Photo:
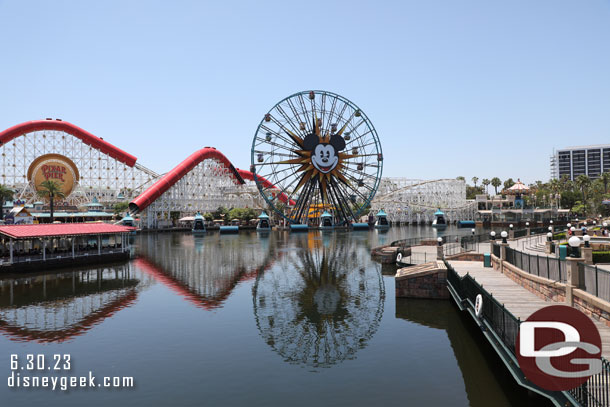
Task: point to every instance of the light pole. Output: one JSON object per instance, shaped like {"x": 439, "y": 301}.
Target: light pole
{"x": 574, "y": 243}
{"x": 504, "y": 235}
{"x": 493, "y": 235}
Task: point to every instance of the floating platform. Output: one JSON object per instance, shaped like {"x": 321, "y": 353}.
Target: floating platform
{"x": 360, "y": 226}
{"x": 229, "y": 229}
{"x": 466, "y": 224}
{"x": 299, "y": 228}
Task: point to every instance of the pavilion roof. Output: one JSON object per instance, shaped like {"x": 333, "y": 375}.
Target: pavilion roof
{"x": 61, "y": 229}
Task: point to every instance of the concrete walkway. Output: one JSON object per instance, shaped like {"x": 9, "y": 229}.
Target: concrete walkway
{"x": 519, "y": 301}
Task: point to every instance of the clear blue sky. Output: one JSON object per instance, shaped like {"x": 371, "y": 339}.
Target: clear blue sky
{"x": 483, "y": 88}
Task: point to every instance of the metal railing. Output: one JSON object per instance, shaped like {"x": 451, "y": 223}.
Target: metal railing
{"x": 597, "y": 281}
{"x": 495, "y": 249}
{"x": 595, "y": 392}
{"x": 418, "y": 258}
{"x": 552, "y": 268}
{"x": 503, "y": 322}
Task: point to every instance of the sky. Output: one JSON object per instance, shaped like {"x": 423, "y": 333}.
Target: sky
{"x": 454, "y": 88}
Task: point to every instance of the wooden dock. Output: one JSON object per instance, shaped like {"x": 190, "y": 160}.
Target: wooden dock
{"x": 519, "y": 301}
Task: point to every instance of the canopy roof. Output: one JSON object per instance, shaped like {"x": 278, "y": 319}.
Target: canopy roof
{"x": 263, "y": 215}
{"x": 61, "y": 229}
{"x": 439, "y": 213}
{"x": 382, "y": 213}
{"x": 518, "y": 188}
{"x": 328, "y": 215}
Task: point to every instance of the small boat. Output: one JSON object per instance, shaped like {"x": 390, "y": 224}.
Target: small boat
{"x": 198, "y": 224}
{"x": 326, "y": 221}
{"x": 382, "y": 220}
{"x": 263, "y": 225}
{"x": 439, "y": 221}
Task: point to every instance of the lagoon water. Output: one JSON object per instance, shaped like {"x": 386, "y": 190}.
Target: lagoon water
{"x": 249, "y": 320}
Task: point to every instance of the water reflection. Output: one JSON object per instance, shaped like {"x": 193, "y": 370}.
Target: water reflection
{"x": 59, "y": 306}
{"x": 485, "y": 377}
{"x": 204, "y": 270}
{"x": 320, "y": 302}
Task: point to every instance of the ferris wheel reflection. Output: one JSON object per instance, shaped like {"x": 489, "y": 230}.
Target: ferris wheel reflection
{"x": 320, "y": 303}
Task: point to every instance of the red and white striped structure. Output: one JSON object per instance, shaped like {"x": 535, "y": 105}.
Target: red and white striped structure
{"x": 106, "y": 172}
{"x": 204, "y": 181}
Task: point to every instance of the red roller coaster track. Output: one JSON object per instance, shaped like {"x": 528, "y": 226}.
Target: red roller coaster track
{"x": 168, "y": 180}
{"x": 59, "y": 125}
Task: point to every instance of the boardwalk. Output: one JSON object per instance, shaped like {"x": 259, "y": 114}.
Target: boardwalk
{"x": 519, "y": 301}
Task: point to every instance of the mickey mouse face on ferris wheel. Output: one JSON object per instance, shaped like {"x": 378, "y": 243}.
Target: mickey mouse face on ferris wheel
{"x": 324, "y": 156}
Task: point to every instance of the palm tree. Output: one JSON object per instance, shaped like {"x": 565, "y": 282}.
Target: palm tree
{"x": 5, "y": 193}
{"x": 508, "y": 183}
{"x": 51, "y": 190}
{"x": 583, "y": 182}
{"x": 485, "y": 183}
{"x": 474, "y": 181}
{"x": 605, "y": 177}
{"x": 460, "y": 178}
{"x": 495, "y": 182}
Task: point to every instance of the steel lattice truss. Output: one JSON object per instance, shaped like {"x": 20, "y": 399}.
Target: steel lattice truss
{"x": 205, "y": 188}
{"x": 101, "y": 176}
{"x": 415, "y": 201}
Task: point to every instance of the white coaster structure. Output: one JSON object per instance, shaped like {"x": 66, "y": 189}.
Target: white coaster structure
{"x": 203, "y": 182}
{"x": 414, "y": 201}
{"x": 107, "y": 173}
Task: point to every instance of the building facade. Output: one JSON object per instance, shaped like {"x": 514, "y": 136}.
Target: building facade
{"x": 574, "y": 161}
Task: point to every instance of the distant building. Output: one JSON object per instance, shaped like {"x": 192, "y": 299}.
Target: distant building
{"x": 574, "y": 161}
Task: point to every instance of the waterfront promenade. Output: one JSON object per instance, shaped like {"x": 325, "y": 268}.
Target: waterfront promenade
{"x": 519, "y": 301}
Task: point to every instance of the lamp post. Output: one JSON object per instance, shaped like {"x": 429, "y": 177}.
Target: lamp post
{"x": 549, "y": 237}
{"x": 504, "y": 235}
{"x": 587, "y": 251}
{"x": 574, "y": 243}
{"x": 511, "y": 232}
{"x": 440, "y": 253}
{"x": 472, "y": 230}
{"x": 493, "y": 236}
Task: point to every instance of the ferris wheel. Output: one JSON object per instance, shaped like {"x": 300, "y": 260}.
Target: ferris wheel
{"x": 316, "y": 151}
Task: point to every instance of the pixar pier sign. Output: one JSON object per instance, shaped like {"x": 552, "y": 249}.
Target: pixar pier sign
{"x": 56, "y": 168}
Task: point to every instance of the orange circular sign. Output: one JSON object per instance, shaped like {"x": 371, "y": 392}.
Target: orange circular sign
{"x": 56, "y": 168}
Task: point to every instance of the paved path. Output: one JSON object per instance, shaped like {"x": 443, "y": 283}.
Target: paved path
{"x": 515, "y": 298}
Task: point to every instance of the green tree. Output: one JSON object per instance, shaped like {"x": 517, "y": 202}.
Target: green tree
{"x": 5, "y": 194}
{"x": 208, "y": 216}
{"x": 496, "y": 182}
{"x": 460, "y": 178}
{"x": 51, "y": 190}
{"x": 583, "y": 183}
{"x": 475, "y": 180}
{"x": 605, "y": 177}
{"x": 508, "y": 183}
{"x": 120, "y": 207}
{"x": 486, "y": 183}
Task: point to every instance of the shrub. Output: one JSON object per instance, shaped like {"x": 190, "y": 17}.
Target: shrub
{"x": 601, "y": 257}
